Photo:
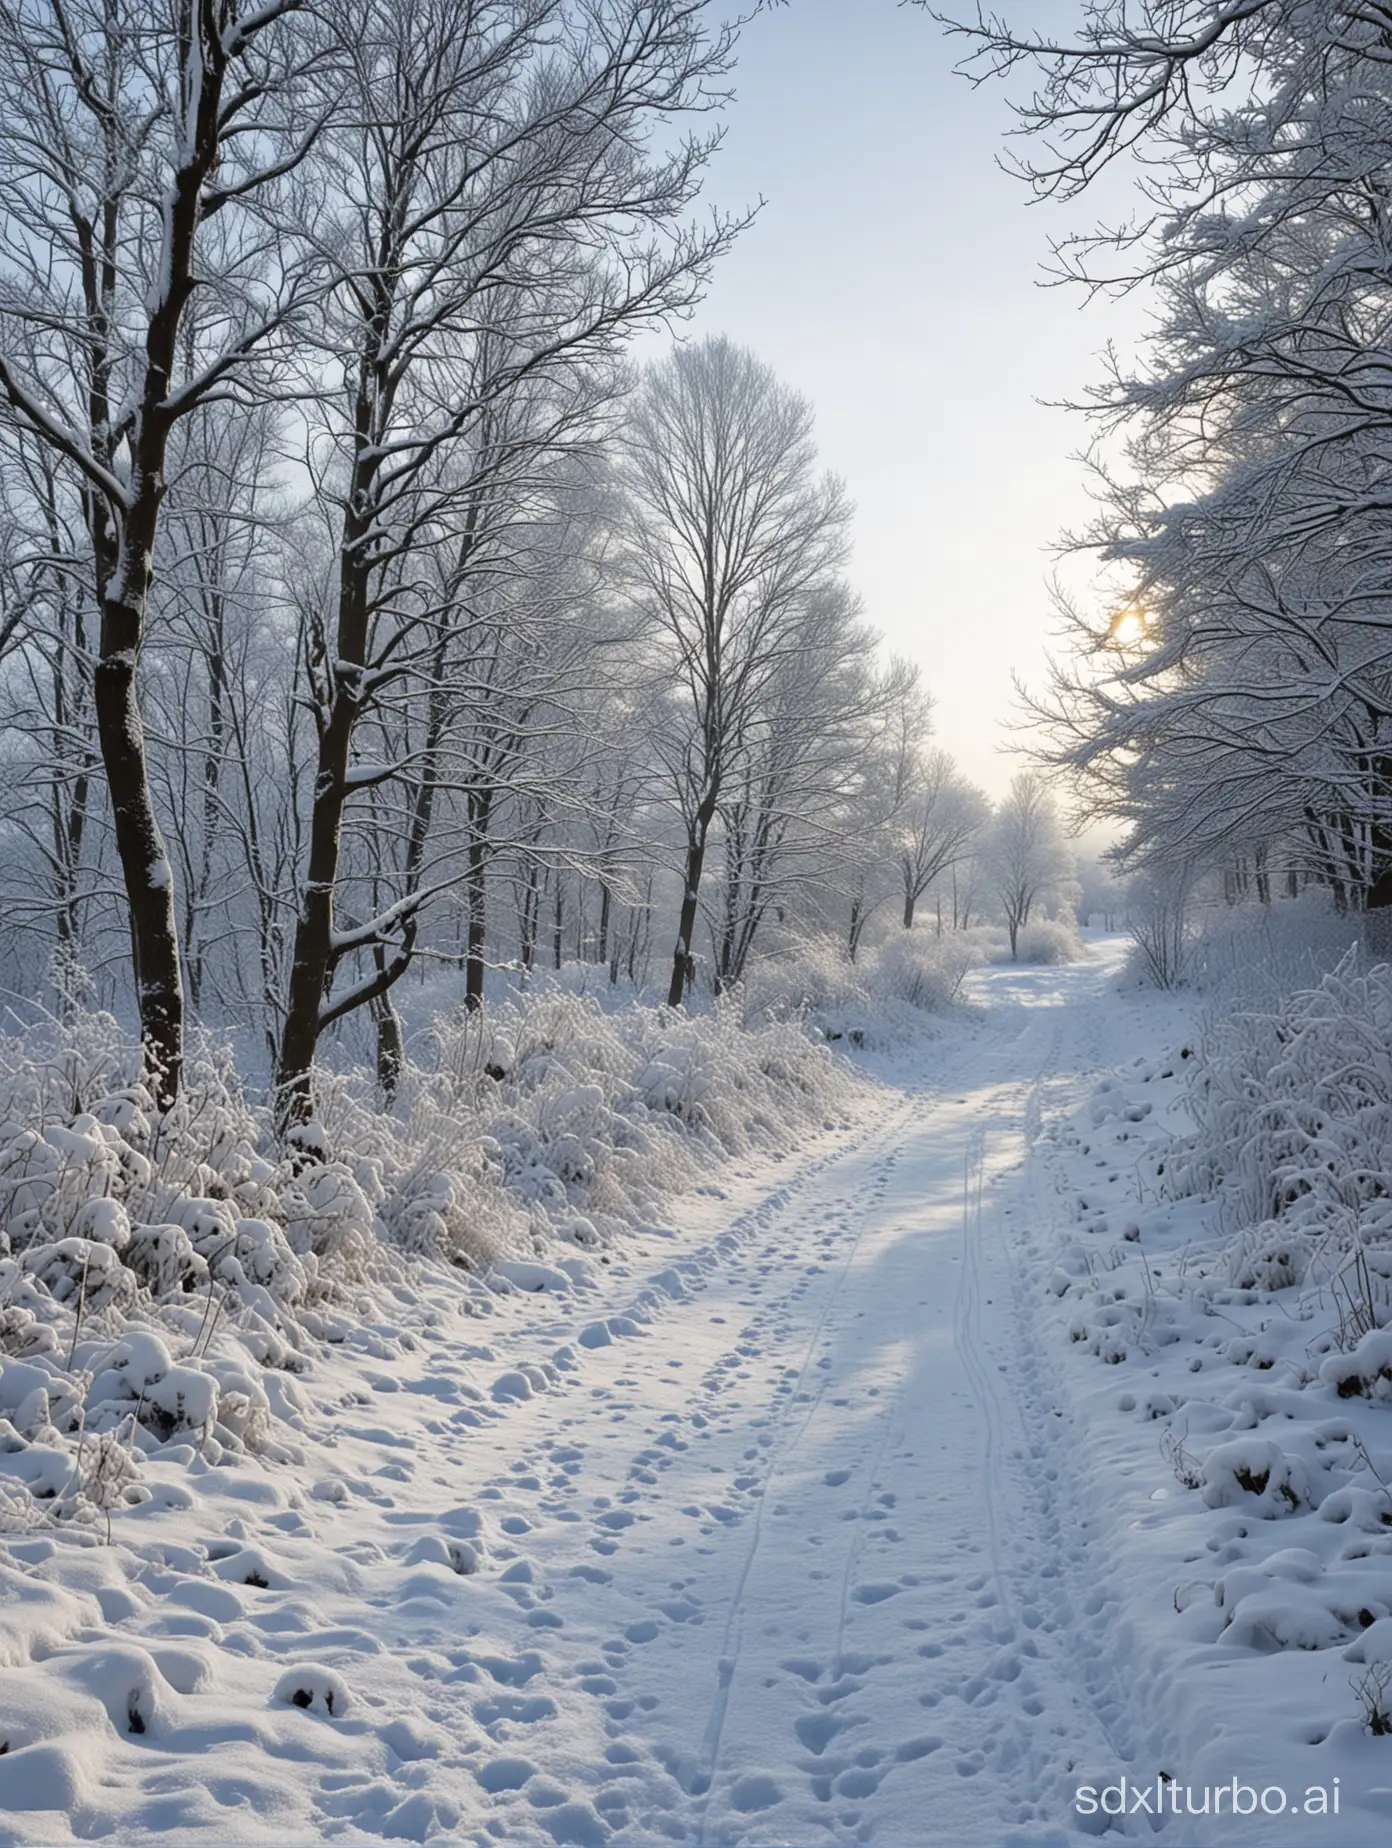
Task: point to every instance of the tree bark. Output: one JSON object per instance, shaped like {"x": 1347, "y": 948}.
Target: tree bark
{"x": 683, "y": 960}
{"x": 606, "y": 903}
{"x": 391, "y": 1046}
{"x": 856, "y": 926}
{"x": 480, "y": 809}
{"x": 311, "y": 967}
{"x": 140, "y": 846}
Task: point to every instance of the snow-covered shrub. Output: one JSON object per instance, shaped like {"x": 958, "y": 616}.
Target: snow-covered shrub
{"x": 463, "y": 1218}
{"x": 164, "y": 1277}
{"x": 1255, "y": 1474}
{"x": 925, "y": 971}
{"x": 563, "y": 1109}
{"x": 1049, "y": 941}
{"x": 1365, "y": 1373}
{"x": 1292, "y": 1106}
{"x": 864, "y": 1002}
{"x": 164, "y": 1260}
{"x": 1268, "y": 1257}
{"x": 1161, "y": 922}
{"x": 1254, "y": 955}
{"x": 326, "y": 1212}
{"x": 243, "y": 1409}
{"x": 81, "y": 1271}
{"x": 813, "y": 980}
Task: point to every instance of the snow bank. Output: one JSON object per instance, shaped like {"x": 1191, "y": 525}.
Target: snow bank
{"x": 164, "y": 1280}
{"x": 1226, "y": 1258}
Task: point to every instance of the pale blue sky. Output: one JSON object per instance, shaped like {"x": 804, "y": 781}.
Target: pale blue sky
{"x": 892, "y": 278}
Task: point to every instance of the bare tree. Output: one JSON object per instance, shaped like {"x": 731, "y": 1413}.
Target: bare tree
{"x": 783, "y": 811}
{"x": 734, "y": 537}
{"x": 941, "y": 815}
{"x": 137, "y": 143}
{"x": 1027, "y": 853}
{"x": 503, "y": 224}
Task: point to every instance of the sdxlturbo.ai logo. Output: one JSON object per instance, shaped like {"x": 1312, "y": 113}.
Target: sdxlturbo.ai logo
{"x": 1164, "y": 1797}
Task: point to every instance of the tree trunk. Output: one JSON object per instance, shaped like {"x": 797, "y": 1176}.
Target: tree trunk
{"x": 683, "y": 961}
{"x": 529, "y": 916}
{"x": 478, "y": 920}
{"x": 391, "y": 1047}
{"x": 313, "y": 958}
{"x": 638, "y": 943}
{"x": 605, "y": 906}
{"x": 909, "y": 902}
{"x": 311, "y": 968}
{"x": 145, "y": 865}
{"x": 558, "y": 922}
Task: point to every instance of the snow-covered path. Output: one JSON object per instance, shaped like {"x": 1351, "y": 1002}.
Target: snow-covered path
{"x": 793, "y": 1551}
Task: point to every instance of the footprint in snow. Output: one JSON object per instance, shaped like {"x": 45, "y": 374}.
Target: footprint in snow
{"x": 522, "y": 1711}
{"x": 500, "y": 1774}
{"x": 755, "y": 1791}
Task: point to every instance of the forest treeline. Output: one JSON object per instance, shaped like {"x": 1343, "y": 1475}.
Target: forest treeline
{"x": 1229, "y": 700}
{"x": 365, "y": 603}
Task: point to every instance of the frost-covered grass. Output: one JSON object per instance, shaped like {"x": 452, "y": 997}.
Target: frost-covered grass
{"x": 1292, "y": 1111}
{"x": 1229, "y": 1263}
{"x": 1255, "y": 954}
{"x": 162, "y": 1280}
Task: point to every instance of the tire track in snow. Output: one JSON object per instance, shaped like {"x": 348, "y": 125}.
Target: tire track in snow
{"x": 981, "y": 1370}
{"x": 779, "y": 1453}
{"x": 1078, "y": 1593}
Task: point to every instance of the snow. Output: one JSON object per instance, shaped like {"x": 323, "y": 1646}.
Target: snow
{"x": 893, "y": 1487}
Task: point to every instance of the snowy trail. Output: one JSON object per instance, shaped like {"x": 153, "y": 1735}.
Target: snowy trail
{"x": 799, "y": 1556}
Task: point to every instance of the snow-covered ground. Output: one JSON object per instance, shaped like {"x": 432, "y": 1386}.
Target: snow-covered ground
{"x": 801, "y": 1520}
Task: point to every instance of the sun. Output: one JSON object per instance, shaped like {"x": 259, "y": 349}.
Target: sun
{"x": 1128, "y": 626}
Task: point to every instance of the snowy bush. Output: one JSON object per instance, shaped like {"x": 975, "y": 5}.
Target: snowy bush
{"x": 161, "y": 1277}
{"x": 1366, "y": 1372}
{"x": 864, "y": 1002}
{"x": 1292, "y": 1106}
{"x": 813, "y": 980}
{"x": 1160, "y": 920}
{"x": 1257, "y": 955}
{"x": 1255, "y": 1474}
{"x": 1049, "y": 941}
{"x": 925, "y": 972}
